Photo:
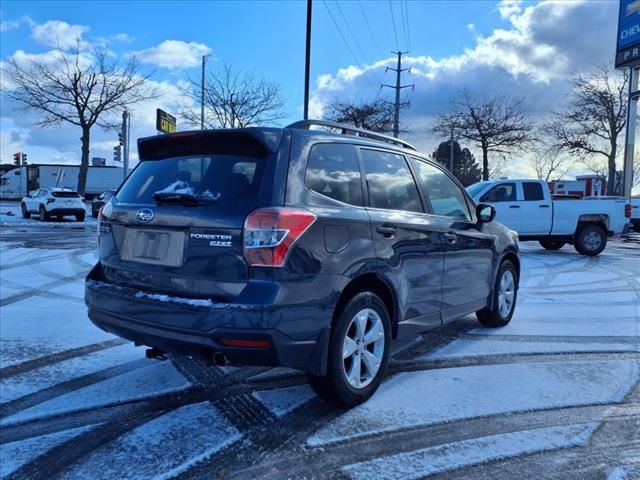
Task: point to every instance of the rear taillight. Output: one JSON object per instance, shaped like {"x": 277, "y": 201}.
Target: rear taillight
{"x": 269, "y": 234}
{"x": 627, "y": 210}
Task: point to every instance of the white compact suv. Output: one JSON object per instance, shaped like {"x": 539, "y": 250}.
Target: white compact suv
{"x": 53, "y": 202}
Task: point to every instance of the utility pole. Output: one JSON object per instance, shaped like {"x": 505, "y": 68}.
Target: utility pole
{"x": 451, "y": 152}
{"x": 204, "y": 64}
{"x": 398, "y": 87}
{"x": 307, "y": 61}
{"x": 126, "y": 120}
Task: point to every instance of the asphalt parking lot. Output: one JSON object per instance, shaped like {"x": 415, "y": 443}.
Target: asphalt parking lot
{"x": 555, "y": 394}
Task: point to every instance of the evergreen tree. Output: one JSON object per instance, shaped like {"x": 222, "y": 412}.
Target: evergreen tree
{"x": 465, "y": 168}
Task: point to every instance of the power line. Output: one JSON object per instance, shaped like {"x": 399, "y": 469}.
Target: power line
{"x": 393, "y": 21}
{"x": 404, "y": 26}
{"x": 366, "y": 20}
{"x": 406, "y": 16}
{"x": 345, "y": 41}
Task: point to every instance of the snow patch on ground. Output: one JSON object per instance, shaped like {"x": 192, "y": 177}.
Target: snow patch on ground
{"x": 17, "y": 386}
{"x": 444, "y": 395}
{"x": 625, "y": 472}
{"x": 16, "y": 454}
{"x": 147, "y": 382}
{"x": 444, "y": 458}
{"x": 565, "y": 328}
{"x": 161, "y": 448}
{"x": 284, "y": 400}
{"x": 485, "y": 347}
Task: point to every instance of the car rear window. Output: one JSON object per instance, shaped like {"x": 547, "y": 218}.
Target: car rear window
{"x": 66, "y": 194}
{"x": 221, "y": 177}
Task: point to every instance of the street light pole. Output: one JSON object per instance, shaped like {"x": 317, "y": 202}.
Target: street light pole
{"x": 451, "y": 152}
{"x": 204, "y": 64}
{"x": 307, "y": 61}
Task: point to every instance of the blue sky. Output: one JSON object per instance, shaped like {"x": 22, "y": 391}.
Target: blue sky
{"x": 509, "y": 47}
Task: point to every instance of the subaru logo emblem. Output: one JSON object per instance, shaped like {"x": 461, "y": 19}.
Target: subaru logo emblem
{"x": 145, "y": 215}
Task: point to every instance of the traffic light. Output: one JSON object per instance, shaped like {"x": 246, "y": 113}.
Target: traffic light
{"x": 17, "y": 159}
{"x": 24, "y": 159}
{"x": 120, "y": 138}
{"x": 117, "y": 153}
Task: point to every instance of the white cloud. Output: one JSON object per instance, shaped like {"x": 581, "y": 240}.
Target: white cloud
{"x": 508, "y": 8}
{"x": 122, "y": 37}
{"x": 56, "y": 33}
{"x": 7, "y": 25}
{"x": 174, "y": 54}
{"x": 471, "y": 27}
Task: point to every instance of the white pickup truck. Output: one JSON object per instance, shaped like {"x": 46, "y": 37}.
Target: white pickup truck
{"x": 526, "y": 207}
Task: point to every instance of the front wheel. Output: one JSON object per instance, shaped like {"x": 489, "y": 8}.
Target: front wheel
{"x": 358, "y": 352}
{"x": 551, "y": 244}
{"x": 505, "y": 294}
{"x": 591, "y": 240}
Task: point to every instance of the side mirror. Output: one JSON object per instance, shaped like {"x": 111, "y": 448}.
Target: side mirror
{"x": 485, "y": 213}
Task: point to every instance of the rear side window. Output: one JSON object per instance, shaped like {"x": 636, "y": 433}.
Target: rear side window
{"x": 503, "y": 192}
{"x": 221, "y": 177}
{"x": 333, "y": 171}
{"x": 447, "y": 198}
{"x": 532, "y": 191}
{"x": 390, "y": 183}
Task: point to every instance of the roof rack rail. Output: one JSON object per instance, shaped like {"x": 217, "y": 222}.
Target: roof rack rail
{"x": 347, "y": 129}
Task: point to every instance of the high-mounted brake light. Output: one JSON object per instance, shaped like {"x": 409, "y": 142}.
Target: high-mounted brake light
{"x": 627, "y": 210}
{"x": 269, "y": 234}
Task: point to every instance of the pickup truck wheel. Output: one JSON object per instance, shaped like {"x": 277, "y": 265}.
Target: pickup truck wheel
{"x": 80, "y": 217}
{"x": 552, "y": 244}
{"x": 25, "y": 212}
{"x": 591, "y": 240}
{"x": 358, "y": 352}
{"x": 505, "y": 292}
{"x": 44, "y": 217}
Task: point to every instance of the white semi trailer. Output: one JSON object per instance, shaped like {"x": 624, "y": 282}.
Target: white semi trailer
{"x": 19, "y": 181}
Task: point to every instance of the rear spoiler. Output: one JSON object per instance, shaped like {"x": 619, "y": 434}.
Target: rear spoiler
{"x": 249, "y": 142}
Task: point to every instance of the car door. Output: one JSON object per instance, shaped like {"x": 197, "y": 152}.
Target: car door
{"x": 31, "y": 201}
{"x": 470, "y": 248}
{"x": 535, "y": 211}
{"x": 504, "y": 198}
{"x": 406, "y": 240}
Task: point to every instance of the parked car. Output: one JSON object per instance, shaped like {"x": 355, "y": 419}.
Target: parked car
{"x": 526, "y": 206}
{"x": 295, "y": 247}
{"x": 48, "y": 203}
{"x": 99, "y": 201}
{"x": 635, "y": 208}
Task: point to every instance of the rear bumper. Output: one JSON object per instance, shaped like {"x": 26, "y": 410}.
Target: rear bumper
{"x": 66, "y": 211}
{"x": 298, "y": 335}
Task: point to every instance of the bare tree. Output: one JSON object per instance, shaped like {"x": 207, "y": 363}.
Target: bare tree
{"x": 81, "y": 88}
{"x": 591, "y": 124}
{"x": 551, "y": 163}
{"x": 376, "y": 116}
{"x": 234, "y": 99}
{"x": 495, "y": 124}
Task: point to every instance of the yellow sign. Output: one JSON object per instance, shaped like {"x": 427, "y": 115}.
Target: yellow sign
{"x": 165, "y": 122}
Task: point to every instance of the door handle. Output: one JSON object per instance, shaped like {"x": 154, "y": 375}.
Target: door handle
{"x": 514, "y": 206}
{"x": 387, "y": 230}
{"x": 451, "y": 238}
{"x": 543, "y": 206}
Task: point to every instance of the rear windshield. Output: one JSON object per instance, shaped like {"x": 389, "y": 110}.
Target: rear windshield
{"x": 66, "y": 194}
{"x": 220, "y": 177}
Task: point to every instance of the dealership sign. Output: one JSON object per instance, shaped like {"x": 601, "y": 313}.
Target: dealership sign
{"x": 628, "y": 45}
{"x": 165, "y": 122}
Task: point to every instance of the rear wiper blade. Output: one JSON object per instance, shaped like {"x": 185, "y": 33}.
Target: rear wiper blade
{"x": 183, "y": 198}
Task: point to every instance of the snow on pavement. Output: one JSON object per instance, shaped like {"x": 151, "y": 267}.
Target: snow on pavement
{"x": 161, "y": 448}
{"x": 283, "y": 401}
{"x": 14, "y": 455}
{"x": 143, "y": 383}
{"x": 30, "y": 382}
{"x": 444, "y": 395}
{"x": 485, "y": 347}
{"x": 444, "y": 458}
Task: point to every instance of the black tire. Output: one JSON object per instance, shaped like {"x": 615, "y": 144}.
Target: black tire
{"x": 494, "y": 317}
{"x": 590, "y": 240}
{"x": 94, "y": 212}
{"x": 80, "y": 217}
{"x": 552, "y": 244}
{"x": 44, "y": 217}
{"x": 335, "y": 385}
{"x": 25, "y": 212}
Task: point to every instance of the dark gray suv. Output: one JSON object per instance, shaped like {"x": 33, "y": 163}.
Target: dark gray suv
{"x": 296, "y": 247}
